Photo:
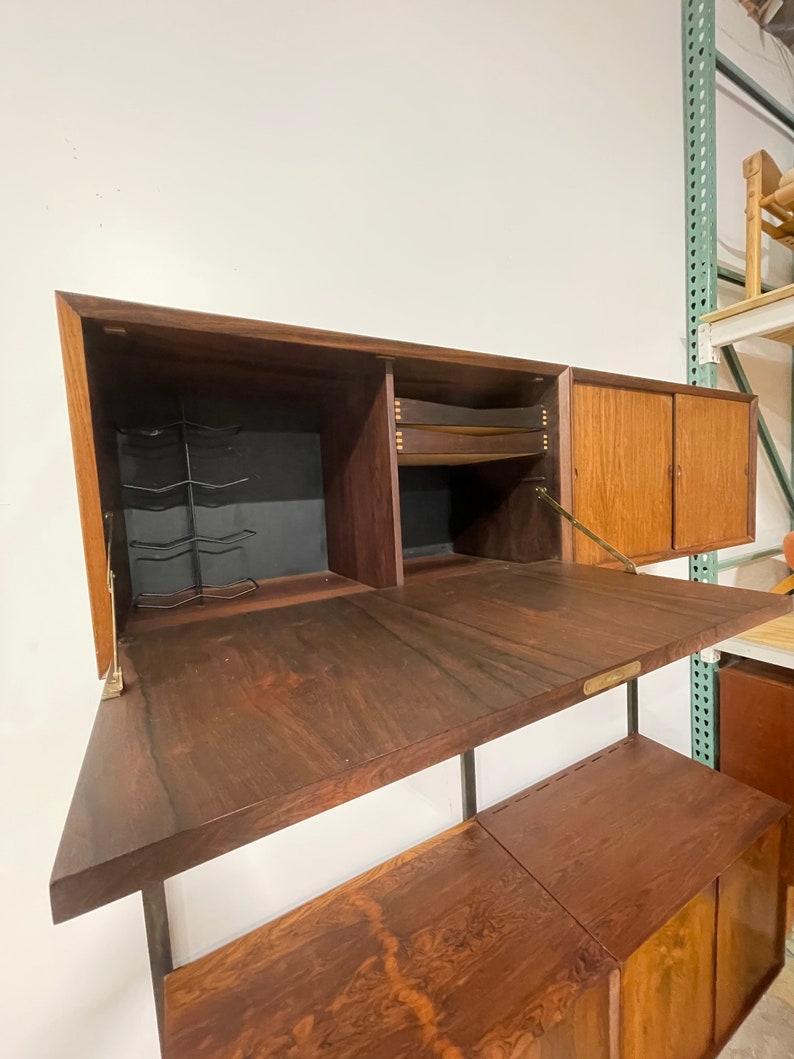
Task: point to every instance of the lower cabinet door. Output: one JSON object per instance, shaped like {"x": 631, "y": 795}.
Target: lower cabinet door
{"x": 749, "y": 930}
{"x": 667, "y": 989}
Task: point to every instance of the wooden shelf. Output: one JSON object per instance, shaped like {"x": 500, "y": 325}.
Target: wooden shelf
{"x": 424, "y": 447}
{"x": 447, "y": 564}
{"x": 277, "y": 592}
{"x": 636, "y": 826}
{"x": 769, "y": 316}
{"x": 431, "y": 415}
{"x": 232, "y": 728}
{"x": 448, "y": 949}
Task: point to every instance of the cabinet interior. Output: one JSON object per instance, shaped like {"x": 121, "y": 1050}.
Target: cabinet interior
{"x": 236, "y": 472}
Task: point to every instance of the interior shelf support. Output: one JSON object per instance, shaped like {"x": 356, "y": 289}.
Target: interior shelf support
{"x": 158, "y": 939}
{"x": 633, "y": 706}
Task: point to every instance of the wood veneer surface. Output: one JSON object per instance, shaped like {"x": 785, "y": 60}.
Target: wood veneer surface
{"x": 667, "y": 987}
{"x": 629, "y": 837}
{"x": 757, "y": 732}
{"x": 712, "y": 452}
{"x": 450, "y": 949}
{"x": 623, "y": 459}
{"x": 750, "y": 938}
{"x": 233, "y": 728}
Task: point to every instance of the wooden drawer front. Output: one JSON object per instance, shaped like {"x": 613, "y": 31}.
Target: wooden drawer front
{"x": 437, "y": 416}
{"x": 420, "y": 445}
{"x": 749, "y": 930}
{"x": 712, "y": 453}
{"x": 667, "y": 993}
{"x": 623, "y": 458}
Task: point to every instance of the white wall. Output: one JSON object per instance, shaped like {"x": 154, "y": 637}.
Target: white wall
{"x": 485, "y": 173}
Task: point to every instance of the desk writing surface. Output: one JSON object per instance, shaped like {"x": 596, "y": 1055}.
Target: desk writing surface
{"x": 233, "y": 728}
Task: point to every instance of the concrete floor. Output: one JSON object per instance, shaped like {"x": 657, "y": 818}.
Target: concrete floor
{"x": 768, "y": 1033}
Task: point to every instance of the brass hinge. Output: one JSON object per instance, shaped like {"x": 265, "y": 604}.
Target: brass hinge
{"x": 543, "y": 494}
{"x": 114, "y": 681}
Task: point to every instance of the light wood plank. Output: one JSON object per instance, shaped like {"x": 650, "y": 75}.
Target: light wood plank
{"x": 781, "y": 294}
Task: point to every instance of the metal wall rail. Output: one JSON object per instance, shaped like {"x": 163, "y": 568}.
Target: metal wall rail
{"x": 752, "y": 557}
{"x": 767, "y": 441}
{"x": 752, "y": 89}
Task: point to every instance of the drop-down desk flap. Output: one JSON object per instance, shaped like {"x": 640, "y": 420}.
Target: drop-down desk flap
{"x": 234, "y": 727}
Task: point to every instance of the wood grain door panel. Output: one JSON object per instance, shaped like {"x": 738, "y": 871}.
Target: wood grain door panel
{"x": 623, "y": 457}
{"x": 749, "y": 930}
{"x": 712, "y": 447}
{"x": 667, "y": 1009}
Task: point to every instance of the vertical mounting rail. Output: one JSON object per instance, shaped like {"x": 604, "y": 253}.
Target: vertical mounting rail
{"x": 700, "y": 102}
{"x": 633, "y": 706}
{"x": 158, "y": 938}
{"x": 468, "y": 784}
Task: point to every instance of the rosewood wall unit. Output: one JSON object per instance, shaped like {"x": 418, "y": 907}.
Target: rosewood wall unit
{"x": 331, "y": 569}
{"x": 678, "y": 474}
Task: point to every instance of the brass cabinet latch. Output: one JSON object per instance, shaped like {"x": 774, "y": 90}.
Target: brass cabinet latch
{"x": 543, "y": 495}
{"x": 114, "y": 681}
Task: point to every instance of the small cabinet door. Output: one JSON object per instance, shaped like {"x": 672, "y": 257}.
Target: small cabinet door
{"x": 713, "y": 456}
{"x": 623, "y": 465}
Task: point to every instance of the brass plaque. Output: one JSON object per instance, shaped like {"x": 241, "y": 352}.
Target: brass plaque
{"x": 612, "y": 678}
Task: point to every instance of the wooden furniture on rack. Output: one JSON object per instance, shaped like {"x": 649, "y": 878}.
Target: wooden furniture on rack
{"x": 414, "y": 598}
{"x": 675, "y": 870}
{"x": 768, "y": 191}
{"x": 660, "y": 470}
{"x": 757, "y": 730}
{"x": 769, "y": 315}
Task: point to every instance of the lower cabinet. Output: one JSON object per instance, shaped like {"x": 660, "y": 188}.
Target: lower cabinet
{"x": 628, "y": 906}
{"x": 676, "y": 871}
{"x": 451, "y": 949}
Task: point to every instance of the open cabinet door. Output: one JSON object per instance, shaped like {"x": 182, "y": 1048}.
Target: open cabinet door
{"x": 232, "y": 728}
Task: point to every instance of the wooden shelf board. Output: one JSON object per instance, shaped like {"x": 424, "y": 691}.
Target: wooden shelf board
{"x": 770, "y": 315}
{"x": 232, "y": 728}
{"x": 770, "y": 298}
{"x": 772, "y": 642}
{"x": 447, "y": 564}
{"x": 446, "y": 949}
{"x": 681, "y": 825}
{"x": 276, "y": 592}
{"x": 457, "y": 459}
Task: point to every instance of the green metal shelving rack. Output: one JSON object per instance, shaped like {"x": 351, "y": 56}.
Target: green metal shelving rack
{"x": 702, "y": 62}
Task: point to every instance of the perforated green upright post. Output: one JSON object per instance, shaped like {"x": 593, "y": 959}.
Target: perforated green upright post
{"x": 700, "y": 104}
